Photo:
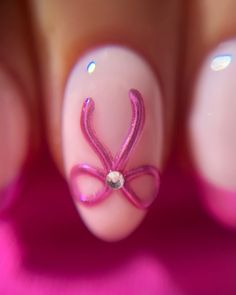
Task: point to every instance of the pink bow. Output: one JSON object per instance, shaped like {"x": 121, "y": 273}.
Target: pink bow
{"x": 114, "y": 175}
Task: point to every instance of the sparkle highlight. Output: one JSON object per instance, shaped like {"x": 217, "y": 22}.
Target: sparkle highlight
{"x": 91, "y": 67}
{"x": 221, "y": 62}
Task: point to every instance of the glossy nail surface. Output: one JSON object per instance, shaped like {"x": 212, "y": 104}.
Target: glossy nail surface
{"x": 112, "y": 130}
{"x": 212, "y": 118}
{"x": 212, "y": 130}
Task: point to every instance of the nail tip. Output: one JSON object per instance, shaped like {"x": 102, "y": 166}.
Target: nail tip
{"x": 220, "y": 202}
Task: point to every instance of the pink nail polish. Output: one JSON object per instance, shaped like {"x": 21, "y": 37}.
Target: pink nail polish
{"x": 112, "y": 129}
{"x": 13, "y": 137}
{"x": 212, "y": 129}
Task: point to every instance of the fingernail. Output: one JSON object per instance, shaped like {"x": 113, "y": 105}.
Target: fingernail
{"x": 112, "y": 130}
{"x": 13, "y": 138}
{"x": 212, "y": 128}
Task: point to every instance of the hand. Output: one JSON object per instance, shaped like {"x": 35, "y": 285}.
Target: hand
{"x": 173, "y": 53}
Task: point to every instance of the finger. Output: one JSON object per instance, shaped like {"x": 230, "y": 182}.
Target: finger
{"x": 108, "y": 74}
{"x": 211, "y": 122}
{"x": 17, "y": 104}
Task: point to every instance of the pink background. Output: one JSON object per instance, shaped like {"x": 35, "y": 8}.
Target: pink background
{"x": 179, "y": 249}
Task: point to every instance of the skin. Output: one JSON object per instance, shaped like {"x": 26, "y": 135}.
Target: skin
{"x": 46, "y": 46}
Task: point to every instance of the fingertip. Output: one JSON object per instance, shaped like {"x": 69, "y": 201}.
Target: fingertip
{"x": 211, "y": 131}
{"x": 96, "y": 144}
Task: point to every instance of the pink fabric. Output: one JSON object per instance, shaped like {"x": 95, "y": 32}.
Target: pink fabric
{"x": 45, "y": 249}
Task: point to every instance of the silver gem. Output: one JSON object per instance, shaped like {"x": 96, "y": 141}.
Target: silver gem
{"x": 115, "y": 179}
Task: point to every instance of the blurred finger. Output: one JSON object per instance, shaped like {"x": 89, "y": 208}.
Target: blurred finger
{"x": 211, "y": 123}
{"x": 17, "y": 101}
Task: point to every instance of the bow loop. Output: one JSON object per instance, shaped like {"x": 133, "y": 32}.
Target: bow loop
{"x": 145, "y": 170}
{"x": 84, "y": 169}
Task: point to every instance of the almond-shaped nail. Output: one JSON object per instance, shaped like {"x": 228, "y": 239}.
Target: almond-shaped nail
{"x": 212, "y": 129}
{"x": 112, "y": 130}
{"x": 14, "y": 134}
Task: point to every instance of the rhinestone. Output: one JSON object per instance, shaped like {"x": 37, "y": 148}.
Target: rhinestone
{"x": 115, "y": 179}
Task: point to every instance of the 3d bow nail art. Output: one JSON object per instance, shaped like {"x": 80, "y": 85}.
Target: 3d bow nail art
{"x": 114, "y": 174}
{"x": 113, "y": 127}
